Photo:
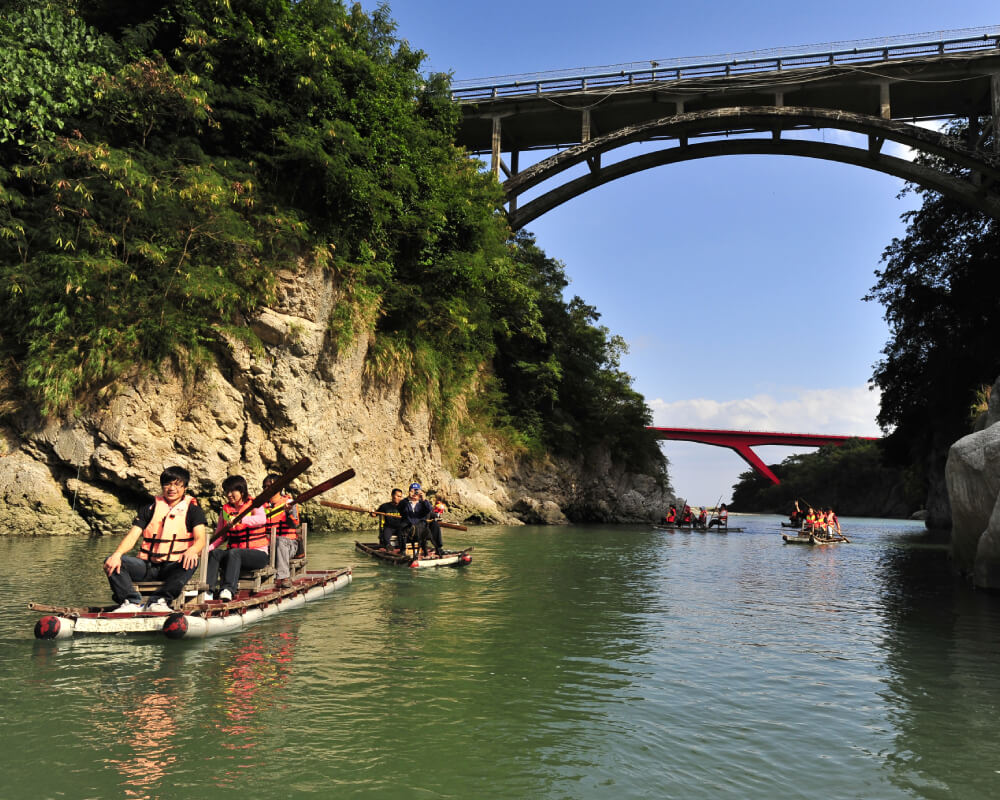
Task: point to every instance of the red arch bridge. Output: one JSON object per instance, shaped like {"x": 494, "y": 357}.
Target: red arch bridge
{"x": 742, "y": 441}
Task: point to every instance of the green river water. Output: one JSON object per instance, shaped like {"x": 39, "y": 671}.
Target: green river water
{"x": 575, "y": 662}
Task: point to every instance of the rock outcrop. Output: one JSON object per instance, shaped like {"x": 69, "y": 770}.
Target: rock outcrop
{"x": 256, "y": 410}
{"x": 973, "y": 477}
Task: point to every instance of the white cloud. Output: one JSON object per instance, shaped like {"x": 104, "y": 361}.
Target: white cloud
{"x": 699, "y": 473}
{"x": 847, "y": 411}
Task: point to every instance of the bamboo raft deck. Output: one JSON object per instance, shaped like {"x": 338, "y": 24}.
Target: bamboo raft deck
{"x": 198, "y": 619}
{"x": 451, "y": 558}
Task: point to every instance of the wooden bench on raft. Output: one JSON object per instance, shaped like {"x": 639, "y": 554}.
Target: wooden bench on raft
{"x": 254, "y": 580}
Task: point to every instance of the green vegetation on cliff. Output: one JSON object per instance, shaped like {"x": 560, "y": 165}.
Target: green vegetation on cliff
{"x": 161, "y": 161}
{"x": 850, "y": 478}
{"x": 940, "y": 286}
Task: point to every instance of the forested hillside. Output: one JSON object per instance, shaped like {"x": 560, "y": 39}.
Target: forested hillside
{"x": 850, "y": 478}
{"x": 940, "y": 286}
{"x": 161, "y": 161}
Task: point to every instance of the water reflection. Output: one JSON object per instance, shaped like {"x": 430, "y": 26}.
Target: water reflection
{"x": 941, "y": 650}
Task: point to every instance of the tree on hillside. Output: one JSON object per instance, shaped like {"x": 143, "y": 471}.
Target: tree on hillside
{"x": 161, "y": 161}
{"x": 940, "y": 287}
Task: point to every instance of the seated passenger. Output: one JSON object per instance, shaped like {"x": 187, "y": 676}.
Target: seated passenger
{"x": 172, "y": 529}
{"x": 247, "y": 540}
{"x": 283, "y": 517}
{"x": 722, "y": 517}
{"x": 391, "y": 526}
{"x": 415, "y": 511}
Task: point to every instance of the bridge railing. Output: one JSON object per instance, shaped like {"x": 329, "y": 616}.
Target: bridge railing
{"x": 685, "y": 69}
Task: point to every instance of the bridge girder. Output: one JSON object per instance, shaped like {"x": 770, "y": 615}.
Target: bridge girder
{"x": 980, "y": 191}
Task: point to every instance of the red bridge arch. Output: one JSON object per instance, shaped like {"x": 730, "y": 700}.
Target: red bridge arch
{"x": 742, "y": 441}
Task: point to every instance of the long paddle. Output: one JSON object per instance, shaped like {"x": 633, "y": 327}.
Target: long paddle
{"x": 359, "y": 509}
{"x": 263, "y": 497}
{"x": 325, "y": 486}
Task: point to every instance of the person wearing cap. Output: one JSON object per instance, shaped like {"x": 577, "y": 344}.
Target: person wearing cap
{"x": 415, "y": 511}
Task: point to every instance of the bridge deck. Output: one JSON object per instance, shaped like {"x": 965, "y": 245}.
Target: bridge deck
{"x": 913, "y": 81}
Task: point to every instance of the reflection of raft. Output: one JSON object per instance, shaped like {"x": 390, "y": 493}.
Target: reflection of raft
{"x": 451, "y": 558}
{"x": 809, "y": 538}
{"x": 194, "y": 620}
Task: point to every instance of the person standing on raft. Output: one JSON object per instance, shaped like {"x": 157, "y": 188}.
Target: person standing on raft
{"x": 247, "y": 540}
{"x": 172, "y": 529}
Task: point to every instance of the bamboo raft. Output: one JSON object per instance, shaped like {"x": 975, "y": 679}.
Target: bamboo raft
{"x": 698, "y": 529}
{"x": 813, "y": 539}
{"x": 196, "y": 620}
{"x": 451, "y": 558}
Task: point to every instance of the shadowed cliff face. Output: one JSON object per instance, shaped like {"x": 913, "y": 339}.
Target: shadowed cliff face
{"x": 973, "y": 477}
{"x": 258, "y": 411}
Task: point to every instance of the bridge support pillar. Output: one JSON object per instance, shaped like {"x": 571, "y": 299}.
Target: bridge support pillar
{"x": 885, "y": 105}
{"x": 495, "y": 148}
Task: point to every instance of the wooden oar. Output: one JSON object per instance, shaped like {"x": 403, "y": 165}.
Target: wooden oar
{"x": 360, "y": 510}
{"x": 325, "y": 486}
{"x": 263, "y": 497}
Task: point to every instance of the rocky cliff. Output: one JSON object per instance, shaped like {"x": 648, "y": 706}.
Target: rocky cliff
{"x": 973, "y": 478}
{"x": 257, "y": 410}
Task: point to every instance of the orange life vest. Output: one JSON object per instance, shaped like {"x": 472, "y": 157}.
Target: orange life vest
{"x": 284, "y": 522}
{"x": 243, "y": 535}
{"x": 166, "y": 537}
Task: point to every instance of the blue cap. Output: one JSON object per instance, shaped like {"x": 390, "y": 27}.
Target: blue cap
{"x": 415, "y": 486}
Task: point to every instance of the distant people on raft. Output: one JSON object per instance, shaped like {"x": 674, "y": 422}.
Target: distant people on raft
{"x": 283, "y": 519}
{"x": 721, "y": 518}
{"x": 703, "y": 517}
{"x": 832, "y": 523}
{"x": 171, "y": 535}
{"x": 686, "y": 516}
{"x": 670, "y": 518}
{"x": 415, "y": 510}
{"x": 391, "y": 526}
{"x": 247, "y": 540}
{"x": 796, "y": 518}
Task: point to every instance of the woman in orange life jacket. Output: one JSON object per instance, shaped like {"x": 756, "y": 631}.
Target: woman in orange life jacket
{"x": 172, "y": 529}
{"x": 671, "y": 516}
{"x": 283, "y": 518}
{"x": 247, "y": 540}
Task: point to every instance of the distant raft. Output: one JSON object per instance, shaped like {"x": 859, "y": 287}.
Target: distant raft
{"x": 811, "y": 538}
{"x": 192, "y": 620}
{"x": 451, "y": 558}
{"x": 698, "y": 528}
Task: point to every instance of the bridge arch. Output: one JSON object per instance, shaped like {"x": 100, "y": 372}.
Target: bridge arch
{"x": 978, "y": 191}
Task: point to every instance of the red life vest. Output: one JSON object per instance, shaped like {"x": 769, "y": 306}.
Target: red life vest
{"x": 243, "y": 535}
{"x": 166, "y": 537}
{"x": 285, "y": 522}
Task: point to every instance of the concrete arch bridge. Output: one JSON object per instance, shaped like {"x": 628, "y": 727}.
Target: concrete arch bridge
{"x": 879, "y": 91}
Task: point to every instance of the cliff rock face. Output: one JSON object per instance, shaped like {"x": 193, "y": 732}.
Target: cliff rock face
{"x": 973, "y": 477}
{"x": 258, "y": 410}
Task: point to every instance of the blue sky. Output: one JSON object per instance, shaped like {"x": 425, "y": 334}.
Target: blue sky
{"x": 737, "y": 282}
